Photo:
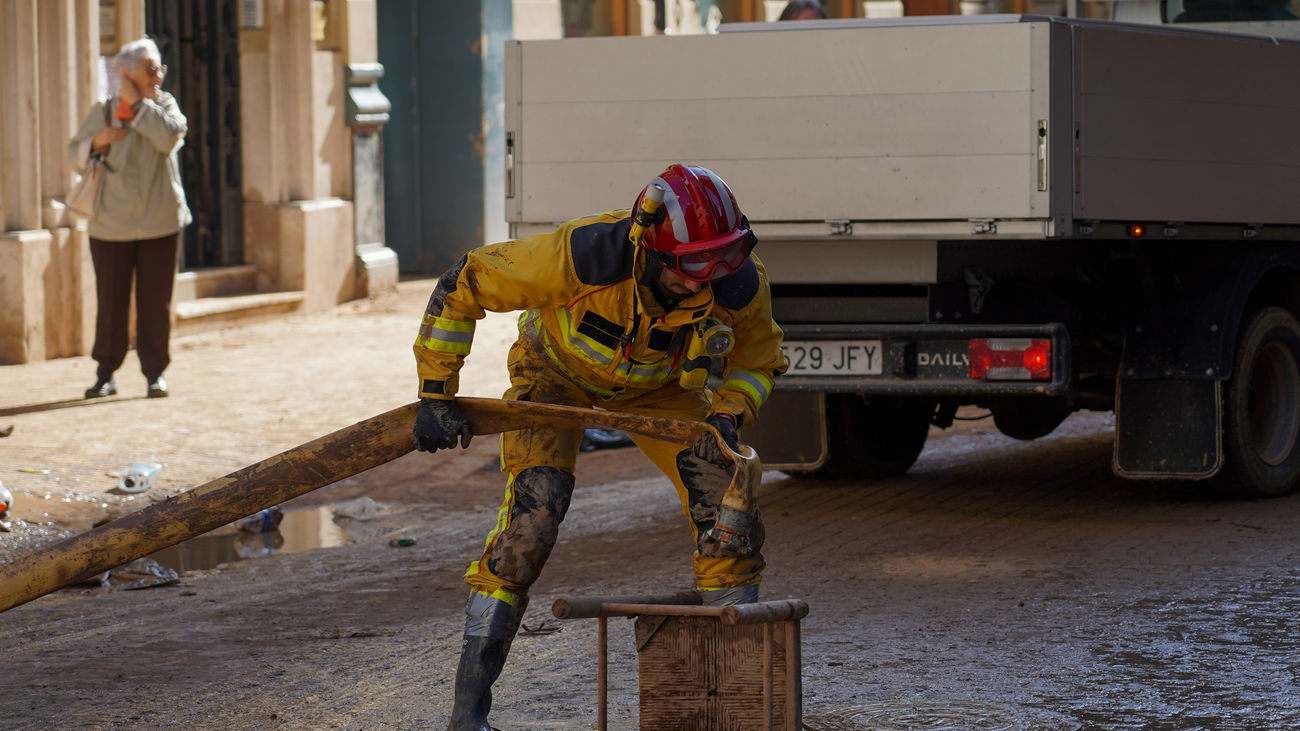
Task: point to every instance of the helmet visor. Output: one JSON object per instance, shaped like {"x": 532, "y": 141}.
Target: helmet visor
{"x": 705, "y": 266}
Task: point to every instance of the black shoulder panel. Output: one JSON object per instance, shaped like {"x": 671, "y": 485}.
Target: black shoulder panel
{"x": 602, "y": 253}
{"x": 734, "y": 291}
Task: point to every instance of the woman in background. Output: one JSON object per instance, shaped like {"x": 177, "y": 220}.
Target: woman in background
{"x": 135, "y": 231}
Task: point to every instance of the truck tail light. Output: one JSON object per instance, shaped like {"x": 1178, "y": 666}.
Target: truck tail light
{"x": 1010, "y": 359}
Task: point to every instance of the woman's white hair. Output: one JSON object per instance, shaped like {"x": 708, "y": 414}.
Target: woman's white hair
{"x": 130, "y": 55}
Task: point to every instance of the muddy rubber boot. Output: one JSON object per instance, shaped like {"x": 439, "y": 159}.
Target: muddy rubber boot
{"x": 481, "y": 660}
{"x": 490, "y": 625}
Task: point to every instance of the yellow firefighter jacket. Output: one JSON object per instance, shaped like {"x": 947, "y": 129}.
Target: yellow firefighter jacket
{"x": 588, "y": 317}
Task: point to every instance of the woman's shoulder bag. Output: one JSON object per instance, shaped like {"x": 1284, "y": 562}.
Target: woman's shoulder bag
{"x": 83, "y": 199}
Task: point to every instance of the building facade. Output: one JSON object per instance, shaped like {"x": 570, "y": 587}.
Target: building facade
{"x": 282, "y": 165}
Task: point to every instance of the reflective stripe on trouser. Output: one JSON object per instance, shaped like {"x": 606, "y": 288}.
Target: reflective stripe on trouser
{"x": 730, "y": 596}
{"x": 529, "y": 518}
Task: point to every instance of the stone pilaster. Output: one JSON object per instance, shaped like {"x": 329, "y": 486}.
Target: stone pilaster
{"x": 366, "y": 110}
{"x": 20, "y": 124}
{"x": 48, "y": 73}
{"x": 59, "y": 112}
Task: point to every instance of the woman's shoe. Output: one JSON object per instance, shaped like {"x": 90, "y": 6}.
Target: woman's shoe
{"x": 158, "y": 388}
{"x": 103, "y": 387}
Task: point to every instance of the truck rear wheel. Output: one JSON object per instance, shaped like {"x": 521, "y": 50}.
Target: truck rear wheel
{"x": 873, "y": 438}
{"x": 1261, "y": 431}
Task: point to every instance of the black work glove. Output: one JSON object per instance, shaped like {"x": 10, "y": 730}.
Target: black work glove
{"x": 438, "y": 424}
{"x": 726, "y": 426}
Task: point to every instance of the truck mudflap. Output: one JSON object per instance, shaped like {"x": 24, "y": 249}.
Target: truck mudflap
{"x": 928, "y": 359}
{"x": 1169, "y": 429}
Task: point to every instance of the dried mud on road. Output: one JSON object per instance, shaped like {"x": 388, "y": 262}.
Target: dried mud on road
{"x": 999, "y": 585}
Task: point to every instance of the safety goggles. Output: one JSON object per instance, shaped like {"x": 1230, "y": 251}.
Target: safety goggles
{"x": 707, "y": 260}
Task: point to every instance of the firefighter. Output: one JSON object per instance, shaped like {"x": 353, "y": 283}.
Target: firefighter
{"x": 612, "y": 303}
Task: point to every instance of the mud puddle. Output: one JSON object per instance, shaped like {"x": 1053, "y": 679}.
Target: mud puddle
{"x": 299, "y": 530}
{"x": 42, "y": 517}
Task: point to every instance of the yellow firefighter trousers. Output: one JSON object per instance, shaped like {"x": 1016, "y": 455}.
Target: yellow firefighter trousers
{"x": 532, "y": 379}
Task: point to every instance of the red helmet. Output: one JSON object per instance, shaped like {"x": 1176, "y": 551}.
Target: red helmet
{"x": 698, "y": 230}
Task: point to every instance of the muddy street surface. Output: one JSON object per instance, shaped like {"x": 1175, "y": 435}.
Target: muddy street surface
{"x": 999, "y": 585}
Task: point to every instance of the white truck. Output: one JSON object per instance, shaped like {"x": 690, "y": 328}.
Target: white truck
{"x": 1034, "y": 215}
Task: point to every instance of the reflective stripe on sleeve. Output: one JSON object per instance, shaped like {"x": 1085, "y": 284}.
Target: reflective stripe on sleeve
{"x": 442, "y": 335}
{"x": 756, "y": 385}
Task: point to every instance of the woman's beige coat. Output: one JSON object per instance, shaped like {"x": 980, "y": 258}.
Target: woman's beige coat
{"x": 141, "y": 196}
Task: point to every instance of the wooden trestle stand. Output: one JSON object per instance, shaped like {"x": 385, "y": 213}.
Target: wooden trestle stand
{"x": 703, "y": 667}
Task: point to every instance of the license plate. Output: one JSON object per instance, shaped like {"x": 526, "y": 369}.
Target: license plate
{"x": 833, "y": 357}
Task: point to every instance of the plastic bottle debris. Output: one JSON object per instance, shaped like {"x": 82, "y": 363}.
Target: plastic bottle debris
{"x": 139, "y": 477}
{"x": 363, "y": 508}
{"x": 263, "y": 521}
{"x": 141, "y": 573}
{"x": 260, "y": 544}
